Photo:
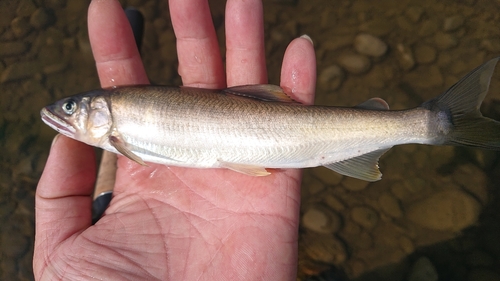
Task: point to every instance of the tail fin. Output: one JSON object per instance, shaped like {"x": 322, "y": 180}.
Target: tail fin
{"x": 461, "y": 104}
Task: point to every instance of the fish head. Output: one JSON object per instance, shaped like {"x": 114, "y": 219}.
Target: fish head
{"x": 85, "y": 117}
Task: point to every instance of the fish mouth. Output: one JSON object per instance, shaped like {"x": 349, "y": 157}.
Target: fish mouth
{"x": 57, "y": 123}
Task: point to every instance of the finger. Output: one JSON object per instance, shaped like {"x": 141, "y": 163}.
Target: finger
{"x": 245, "y": 54}
{"x": 298, "y": 71}
{"x": 200, "y": 62}
{"x": 117, "y": 59}
{"x": 63, "y": 201}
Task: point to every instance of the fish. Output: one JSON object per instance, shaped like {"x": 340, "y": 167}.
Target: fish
{"x": 253, "y": 128}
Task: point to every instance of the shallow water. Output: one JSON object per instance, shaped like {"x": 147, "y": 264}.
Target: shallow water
{"x": 436, "y": 209}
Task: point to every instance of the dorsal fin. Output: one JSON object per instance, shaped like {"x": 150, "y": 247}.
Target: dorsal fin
{"x": 374, "y": 104}
{"x": 264, "y": 92}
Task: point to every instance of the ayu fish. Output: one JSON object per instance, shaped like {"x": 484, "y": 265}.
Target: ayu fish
{"x": 253, "y": 127}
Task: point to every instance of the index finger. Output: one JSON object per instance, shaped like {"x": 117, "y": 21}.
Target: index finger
{"x": 117, "y": 59}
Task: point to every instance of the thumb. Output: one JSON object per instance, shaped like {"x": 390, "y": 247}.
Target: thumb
{"x": 63, "y": 196}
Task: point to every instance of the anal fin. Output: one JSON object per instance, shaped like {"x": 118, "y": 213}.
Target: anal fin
{"x": 250, "y": 170}
{"x": 121, "y": 146}
{"x": 363, "y": 167}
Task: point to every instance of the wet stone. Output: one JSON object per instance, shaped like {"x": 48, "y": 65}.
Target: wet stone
{"x": 377, "y": 27}
{"x": 353, "y": 184}
{"x": 445, "y": 41}
{"x": 405, "y": 57}
{"x": 478, "y": 258}
{"x": 14, "y": 246}
{"x": 414, "y": 13}
{"x": 472, "y": 179}
{"x": 425, "y": 77}
{"x": 427, "y": 28}
{"x": 453, "y": 23}
{"x": 491, "y": 45}
{"x": 369, "y": 45}
{"x": 8, "y": 49}
{"x": 20, "y": 27}
{"x": 451, "y": 210}
{"x": 481, "y": 274}
{"x": 325, "y": 249}
{"x": 320, "y": 219}
{"x": 354, "y": 63}
{"x": 364, "y": 216}
{"x": 390, "y": 205}
{"x": 331, "y": 77}
{"x": 19, "y": 70}
{"x": 327, "y": 176}
{"x": 42, "y": 18}
{"x": 425, "y": 54}
{"x": 423, "y": 270}
{"x": 25, "y": 8}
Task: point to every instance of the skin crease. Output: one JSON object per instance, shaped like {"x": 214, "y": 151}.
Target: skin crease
{"x": 171, "y": 223}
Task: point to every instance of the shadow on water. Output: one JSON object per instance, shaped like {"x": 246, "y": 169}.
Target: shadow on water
{"x": 436, "y": 210}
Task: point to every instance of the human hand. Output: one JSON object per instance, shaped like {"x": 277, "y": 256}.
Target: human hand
{"x": 172, "y": 223}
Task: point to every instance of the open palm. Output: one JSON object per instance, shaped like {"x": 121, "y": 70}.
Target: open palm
{"x": 171, "y": 223}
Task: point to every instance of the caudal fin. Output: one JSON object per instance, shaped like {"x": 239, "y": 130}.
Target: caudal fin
{"x": 461, "y": 105}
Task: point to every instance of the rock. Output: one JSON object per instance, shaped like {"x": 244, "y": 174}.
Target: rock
{"x": 425, "y": 54}
{"x": 25, "y": 8}
{"x": 378, "y": 27}
{"x": 9, "y": 49}
{"x": 427, "y": 28}
{"x": 42, "y": 18}
{"x": 320, "y": 219}
{"x": 481, "y": 274}
{"x": 451, "y": 210}
{"x": 13, "y": 246}
{"x": 20, "y": 27}
{"x": 423, "y": 270}
{"x": 54, "y": 68}
{"x": 331, "y": 77}
{"x": 353, "y": 184}
{"x": 453, "y": 23}
{"x": 405, "y": 57}
{"x": 20, "y": 70}
{"x": 354, "y": 63}
{"x": 406, "y": 245}
{"x": 9, "y": 15}
{"x": 478, "y": 258}
{"x": 327, "y": 249}
{"x": 390, "y": 205}
{"x": 364, "y": 216}
{"x": 334, "y": 203}
{"x": 425, "y": 77}
{"x": 472, "y": 179}
{"x": 327, "y": 176}
{"x": 414, "y": 13}
{"x": 56, "y": 4}
{"x": 491, "y": 44}
{"x": 445, "y": 41}
{"x": 367, "y": 44}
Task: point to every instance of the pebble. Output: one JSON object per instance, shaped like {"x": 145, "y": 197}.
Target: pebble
{"x": 425, "y": 54}
{"x": 378, "y": 27}
{"x": 453, "y": 23}
{"x": 390, "y": 205}
{"x": 9, "y": 49}
{"x": 327, "y": 249}
{"x": 364, "y": 216}
{"x": 472, "y": 179}
{"x": 20, "y": 27}
{"x": 423, "y": 270}
{"x": 450, "y": 210}
{"x": 331, "y": 77}
{"x": 334, "y": 203}
{"x": 414, "y": 13}
{"x": 491, "y": 45}
{"x": 25, "y": 8}
{"x": 20, "y": 70}
{"x": 445, "y": 41}
{"x": 42, "y": 18}
{"x": 354, "y": 63}
{"x": 13, "y": 246}
{"x": 427, "y": 28}
{"x": 353, "y": 184}
{"x": 327, "y": 176}
{"x": 405, "y": 57}
{"x": 367, "y": 44}
{"x": 320, "y": 219}
{"x": 425, "y": 77}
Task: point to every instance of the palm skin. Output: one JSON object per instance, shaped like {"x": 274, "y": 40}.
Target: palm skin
{"x": 171, "y": 223}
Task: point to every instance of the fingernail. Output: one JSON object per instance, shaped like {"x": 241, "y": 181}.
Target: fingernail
{"x": 54, "y": 140}
{"x": 305, "y": 36}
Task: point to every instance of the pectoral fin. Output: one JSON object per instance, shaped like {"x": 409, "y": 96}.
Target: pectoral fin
{"x": 121, "y": 146}
{"x": 363, "y": 167}
{"x": 250, "y": 170}
{"x": 264, "y": 92}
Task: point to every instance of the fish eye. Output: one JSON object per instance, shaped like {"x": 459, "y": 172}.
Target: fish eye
{"x": 69, "y": 107}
